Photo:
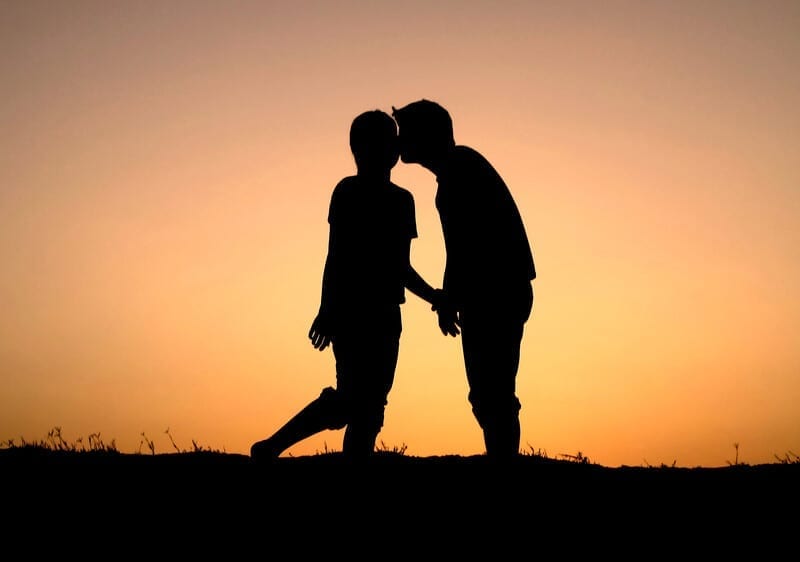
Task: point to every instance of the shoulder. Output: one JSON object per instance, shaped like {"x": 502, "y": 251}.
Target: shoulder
{"x": 402, "y": 195}
{"x": 345, "y": 190}
{"x": 400, "y": 191}
{"x": 467, "y": 157}
{"x": 346, "y": 185}
{"x": 469, "y": 165}
{"x": 462, "y": 163}
{"x": 342, "y": 198}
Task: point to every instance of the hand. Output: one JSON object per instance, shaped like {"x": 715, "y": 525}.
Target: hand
{"x": 449, "y": 322}
{"x": 448, "y": 317}
{"x": 320, "y": 333}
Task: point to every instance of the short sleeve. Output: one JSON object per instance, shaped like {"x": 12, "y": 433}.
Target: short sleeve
{"x": 334, "y": 208}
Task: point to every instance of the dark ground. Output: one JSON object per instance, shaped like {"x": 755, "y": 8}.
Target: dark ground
{"x": 401, "y": 502}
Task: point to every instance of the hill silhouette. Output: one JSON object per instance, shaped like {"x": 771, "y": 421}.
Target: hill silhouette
{"x": 440, "y": 502}
{"x": 531, "y": 476}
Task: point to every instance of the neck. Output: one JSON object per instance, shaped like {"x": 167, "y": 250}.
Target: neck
{"x": 436, "y": 163}
{"x": 383, "y": 176}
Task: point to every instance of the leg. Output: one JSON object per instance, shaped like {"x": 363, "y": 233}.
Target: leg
{"x": 323, "y": 413}
{"x": 491, "y": 363}
{"x": 365, "y": 375}
{"x": 491, "y": 340}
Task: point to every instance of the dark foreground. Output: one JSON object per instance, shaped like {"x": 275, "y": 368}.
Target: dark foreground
{"x": 400, "y": 499}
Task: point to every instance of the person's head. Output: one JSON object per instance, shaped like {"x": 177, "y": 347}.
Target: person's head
{"x": 373, "y": 141}
{"x": 426, "y": 131}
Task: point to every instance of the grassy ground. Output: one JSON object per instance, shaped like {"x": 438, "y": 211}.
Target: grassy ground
{"x": 421, "y": 506}
{"x": 531, "y": 476}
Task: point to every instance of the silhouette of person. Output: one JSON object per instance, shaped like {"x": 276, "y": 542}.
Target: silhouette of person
{"x": 489, "y": 268}
{"x": 367, "y": 269}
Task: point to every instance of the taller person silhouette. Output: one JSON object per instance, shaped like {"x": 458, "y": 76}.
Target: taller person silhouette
{"x": 489, "y": 270}
{"x": 367, "y": 269}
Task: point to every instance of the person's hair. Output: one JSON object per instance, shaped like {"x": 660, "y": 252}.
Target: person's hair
{"x": 427, "y": 119}
{"x": 373, "y": 139}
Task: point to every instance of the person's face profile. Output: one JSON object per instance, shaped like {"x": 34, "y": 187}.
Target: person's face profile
{"x": 412, "y": 148}
{"x": 394, "y": 159}
{"x": 405, "y": 148}
{"x": 393, "y": 151}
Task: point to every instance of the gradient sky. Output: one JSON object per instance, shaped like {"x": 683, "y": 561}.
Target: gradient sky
{"x": 166, "y": 169}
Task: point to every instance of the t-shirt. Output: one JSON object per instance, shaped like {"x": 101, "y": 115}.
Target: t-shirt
{"x": 372, "y": 225}
{"x": 485, "y": 238}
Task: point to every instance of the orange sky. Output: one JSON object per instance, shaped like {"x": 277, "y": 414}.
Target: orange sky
{"x": 166, "y": 169}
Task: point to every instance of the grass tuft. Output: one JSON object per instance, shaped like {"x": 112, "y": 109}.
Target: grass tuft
{"x": 55, "y": 441}
{"x": 788, "y": 458}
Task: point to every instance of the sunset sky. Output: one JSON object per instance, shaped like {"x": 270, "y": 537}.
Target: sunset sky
{"x": 166, "y": 169}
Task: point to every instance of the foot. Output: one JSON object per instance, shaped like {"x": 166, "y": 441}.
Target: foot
{"x": 264, "y": 451}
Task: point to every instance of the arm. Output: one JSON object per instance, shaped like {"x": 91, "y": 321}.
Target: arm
{"x": 321, "y": 331}
{"x": 417, "y": 285}
{"x": 448, "y": 319}
{"x": 414, "y": 282}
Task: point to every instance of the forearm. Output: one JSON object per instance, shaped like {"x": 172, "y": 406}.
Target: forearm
{"x": 328, "y": 289}
{"x": 447, "y": 278}
{"x": 417, "y": 285}
{"x": 330, "y": 274}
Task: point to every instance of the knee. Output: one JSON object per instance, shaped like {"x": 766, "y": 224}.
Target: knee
{"x": 368, "y": 416}
{"x": 490, "y": 409}
{"x": 331, "y": 403}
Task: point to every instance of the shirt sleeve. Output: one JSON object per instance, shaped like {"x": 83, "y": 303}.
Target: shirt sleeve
{"x": 334, "y": 208}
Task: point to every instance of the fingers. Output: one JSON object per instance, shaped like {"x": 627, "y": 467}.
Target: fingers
{"x": 448, "y": 321}
{"x": 319, "y": 340}
{"x": 318, "y": 334}
{"x": 448, "y": 327}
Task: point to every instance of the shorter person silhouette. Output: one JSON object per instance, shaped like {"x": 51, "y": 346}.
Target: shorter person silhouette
{"x": 367, "y": 269}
